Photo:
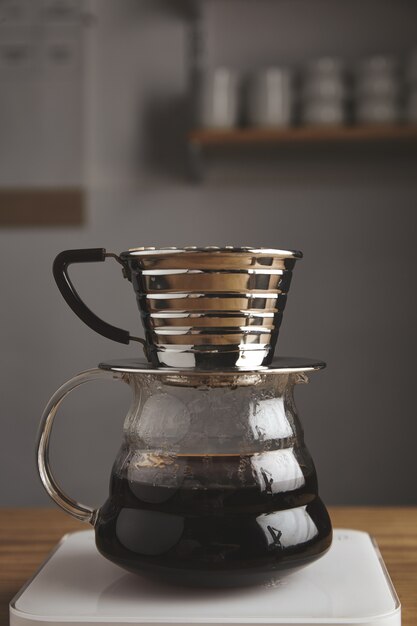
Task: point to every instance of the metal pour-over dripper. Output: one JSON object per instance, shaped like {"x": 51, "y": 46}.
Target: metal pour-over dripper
{"x": 200, "y": 307}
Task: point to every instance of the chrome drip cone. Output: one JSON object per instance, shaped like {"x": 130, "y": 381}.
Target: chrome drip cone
{"x": 200, "y": 307}
{"x": 211, "y": 307}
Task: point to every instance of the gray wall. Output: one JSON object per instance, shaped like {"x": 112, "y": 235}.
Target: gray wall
{"x": 352, "y": 212}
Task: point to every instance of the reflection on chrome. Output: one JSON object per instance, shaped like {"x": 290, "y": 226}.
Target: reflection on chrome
{"x": 283, "y": 529}
{"x": 268, "y": 420}
{"x": 277, "y": 471}
{"x": 252, "y": 357}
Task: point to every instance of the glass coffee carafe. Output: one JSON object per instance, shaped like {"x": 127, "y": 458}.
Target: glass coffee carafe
{"x": 213, "y": 484}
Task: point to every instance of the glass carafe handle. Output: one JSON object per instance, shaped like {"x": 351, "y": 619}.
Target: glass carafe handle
{"x": 79, "y": 511}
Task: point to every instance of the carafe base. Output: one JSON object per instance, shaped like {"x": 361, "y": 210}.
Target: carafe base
{"x": 224, "y": 548}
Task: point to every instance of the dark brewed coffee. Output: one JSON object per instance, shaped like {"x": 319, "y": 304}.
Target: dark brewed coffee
{"x": 209, "y": 534}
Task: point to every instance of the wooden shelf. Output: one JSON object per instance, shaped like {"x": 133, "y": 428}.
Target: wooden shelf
{"x": 303, "y": 135}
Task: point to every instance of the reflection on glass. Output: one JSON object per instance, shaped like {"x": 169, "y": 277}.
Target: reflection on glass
{"x": 268, "y": 420}
{"x": 148, "y": 532}
{"x": 277, "y": 471}
{"x": 164, "y": 417}
{"x": 154, "y": 477}
{"x": 283, "y": 529}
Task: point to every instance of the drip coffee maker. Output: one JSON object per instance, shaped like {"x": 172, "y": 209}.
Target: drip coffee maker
{"x": 213, "y": 483}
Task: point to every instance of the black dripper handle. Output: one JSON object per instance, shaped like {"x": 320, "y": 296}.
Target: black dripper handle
{"x": 71, "y": 297}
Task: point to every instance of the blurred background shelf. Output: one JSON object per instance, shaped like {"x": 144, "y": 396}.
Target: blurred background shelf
{"x": 303, "y": 135}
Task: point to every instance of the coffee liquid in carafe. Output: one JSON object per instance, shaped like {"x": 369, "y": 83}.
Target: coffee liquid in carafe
{"x": 200, "y": 531}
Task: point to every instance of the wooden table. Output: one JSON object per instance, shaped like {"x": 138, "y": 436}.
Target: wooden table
{"x": 27, "y": 535}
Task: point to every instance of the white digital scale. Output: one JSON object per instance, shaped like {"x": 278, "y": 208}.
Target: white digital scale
{"x": 77, "y": 586}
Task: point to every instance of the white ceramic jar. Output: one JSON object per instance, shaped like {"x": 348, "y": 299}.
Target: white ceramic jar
{"x": 271, "y": 98}
{"x": 219, "y": 99}
{"x": 377, "y": 90}
{"x": 324, "y": 92}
